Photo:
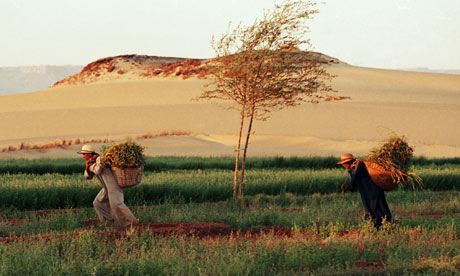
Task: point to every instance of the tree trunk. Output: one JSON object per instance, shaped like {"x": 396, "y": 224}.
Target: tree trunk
{"x": 243, "y": 163}
{"x": 237, "y": 159}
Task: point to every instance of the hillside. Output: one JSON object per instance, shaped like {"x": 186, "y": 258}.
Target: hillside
{"x": 138, "y": 67}
{"x": 429, "y": 70}
{"x": 424, "y": 107}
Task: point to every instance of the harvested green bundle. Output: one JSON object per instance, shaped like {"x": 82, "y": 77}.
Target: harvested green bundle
{"x": 127, "y": 162}
{"x": 123, "y": 155}
{"x": 394, "y": 157}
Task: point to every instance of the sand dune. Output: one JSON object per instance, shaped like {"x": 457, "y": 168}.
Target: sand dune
{"x": 424, "y": 107}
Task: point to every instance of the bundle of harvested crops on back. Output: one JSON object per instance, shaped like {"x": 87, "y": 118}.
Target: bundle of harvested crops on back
{"x": 127, "y": 162}
{"x": 390, "y": 164}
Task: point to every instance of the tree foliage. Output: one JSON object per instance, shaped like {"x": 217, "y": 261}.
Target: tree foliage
{"x": 260, "y": 68}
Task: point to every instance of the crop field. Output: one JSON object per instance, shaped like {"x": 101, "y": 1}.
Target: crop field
{"x": 294, "y": 220}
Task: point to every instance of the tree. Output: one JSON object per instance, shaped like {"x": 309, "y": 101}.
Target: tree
{"x": 260, "y": 68}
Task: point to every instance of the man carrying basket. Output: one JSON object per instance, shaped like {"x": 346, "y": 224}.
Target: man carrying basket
{"x": 373, "y": 197}
{"x": 109, "y": 202}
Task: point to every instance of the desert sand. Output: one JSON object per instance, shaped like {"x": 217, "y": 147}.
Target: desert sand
{"x": 424, "y": 107}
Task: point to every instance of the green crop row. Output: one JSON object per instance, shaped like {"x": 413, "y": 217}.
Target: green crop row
{"x": 285, "y": 211}
{"x": 419, "y": 246}
{"x": 156, "y": 164}
{"x": 88, "y": 254}
{"x": 27, "y": 191}
{"x": 390, "y": 251}
{"x": 69, "y": 166}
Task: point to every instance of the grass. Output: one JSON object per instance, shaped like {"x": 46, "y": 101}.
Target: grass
{"x": 286, "y": 211}
{"x": 166, "y": 163}
{"x": 416, "y": 247}
{"x": 32, "y": 191}
{"x": 178, "y": 255}
{"x": 279, "y": 192}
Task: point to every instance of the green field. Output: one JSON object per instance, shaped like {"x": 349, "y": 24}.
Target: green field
{"x": 45, "y": 191}
{"x": 327, "y": 233}
{"x": 166, "y": 163}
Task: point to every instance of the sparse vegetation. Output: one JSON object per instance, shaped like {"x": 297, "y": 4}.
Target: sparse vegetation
{"x": 62, "y": 143}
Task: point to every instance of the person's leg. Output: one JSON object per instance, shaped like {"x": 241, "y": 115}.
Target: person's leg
{"x": 119, "y": 211}
{"x": 102, "y": 207}
{"x": 385, "y": 209}
{"x": 381, "y": 210}
{"x": 375, "y": 215}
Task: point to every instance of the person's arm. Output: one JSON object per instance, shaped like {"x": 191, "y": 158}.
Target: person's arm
{"x": 88, "y": 174}
{"x": 93, "y": 167}
{"x": 350, "y": 187}
{"x": 355, "y": 172}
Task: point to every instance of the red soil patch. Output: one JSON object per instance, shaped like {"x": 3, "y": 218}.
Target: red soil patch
{"x": 287, "y": 232}
{"x": 37, "y": 238}
{"x": 91, "y": 222}
{"x": 433, "y": 216}
{"x": 39, "y": 214}
{"x": 414, "y": 232}
{"x": 198, "y": 228}
{"x": 344, "y": 234}
{"x": 276, "y": 231}
{"x": 14, "y": 222}
{"x": 286, "y": 210}
{"x": 281, "y": 210}
{"x": 47, "y": 213}
{"x": 369, "y": 265}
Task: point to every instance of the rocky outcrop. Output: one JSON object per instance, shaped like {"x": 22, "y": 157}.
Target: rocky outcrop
{"x": 135, "y": 67}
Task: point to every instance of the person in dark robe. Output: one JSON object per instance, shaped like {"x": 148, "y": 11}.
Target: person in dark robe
{"x": 373, "y": 197}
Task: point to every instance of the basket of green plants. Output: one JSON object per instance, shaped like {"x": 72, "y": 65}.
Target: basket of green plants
{"x": 390, "y": 164}
{"x": 127, "y": 162}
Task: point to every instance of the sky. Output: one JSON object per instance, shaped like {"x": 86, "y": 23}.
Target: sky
{"x": 390, "y": 34}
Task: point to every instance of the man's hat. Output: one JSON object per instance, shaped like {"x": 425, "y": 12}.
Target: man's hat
{"x": 86, "y": 149}
{"x": 346, "y": 158}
